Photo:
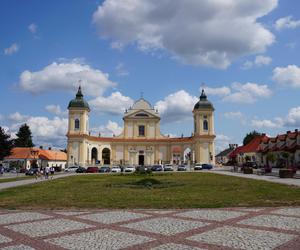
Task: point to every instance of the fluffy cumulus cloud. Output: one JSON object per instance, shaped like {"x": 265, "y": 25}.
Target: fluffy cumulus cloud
{"x": 12, "y": 49}
{"x": 287, "y": 76}
{"x": 293, "y": 118}
{"x": 266, "y": 123}
{"x": 208, "y": 32}
{"x": 110, "y": 129}
{"x": 45, "y": 131}
{"x": 259, "y": 61}
{"x": 176, "y": 106}
{"x": 242, "y": 93}
{"x": 56, "y": 110}
{"x": 65, "y": 76}
{"x": 287, "y": 23}
{"x": 115, "y": 104}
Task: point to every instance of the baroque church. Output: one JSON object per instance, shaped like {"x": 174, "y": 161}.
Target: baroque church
{"x": 141, "y": 142}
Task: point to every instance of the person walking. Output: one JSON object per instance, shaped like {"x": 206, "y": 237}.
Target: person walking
{"x": 47, "y": 171}
{"x": 52, "y": 170}
{"x": 1, "y": 170}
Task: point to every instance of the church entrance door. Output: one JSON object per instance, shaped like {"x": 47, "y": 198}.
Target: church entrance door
{"x": 141, "y": 160}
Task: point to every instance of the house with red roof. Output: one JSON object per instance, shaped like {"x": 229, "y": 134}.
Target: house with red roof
{"x": 28, "y": 157}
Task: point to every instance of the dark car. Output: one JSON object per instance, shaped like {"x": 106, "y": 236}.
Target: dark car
{"x": 207, "y": 166}
{"x": 92, "y": 170}
{"x": 157, "y": 168}
{"x": 104, "y": 169}
{"x": 250, "y": 164}
{"x": 80, "y": 170}
{"x": 32, "y": 171}
{"x": 181, "y": 168}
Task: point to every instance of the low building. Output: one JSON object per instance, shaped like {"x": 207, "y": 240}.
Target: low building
{"x": 25, "y": 158}
{"x": 223, "y": 157}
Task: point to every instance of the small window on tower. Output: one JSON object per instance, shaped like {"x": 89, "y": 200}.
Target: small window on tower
{"x": 141, "y": 130}
{"x": 77, "y": 124}
{"x": 205, "y": 125}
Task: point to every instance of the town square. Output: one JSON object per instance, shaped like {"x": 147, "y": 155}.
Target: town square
{"x": 144, "y": 124}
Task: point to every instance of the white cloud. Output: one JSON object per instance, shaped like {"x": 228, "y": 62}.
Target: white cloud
{"x": 115, "y": 104}
{"x": 222, "y": 91}
{"x": 44, "y": 130}
{"x": 287, "y": 76}
{"x": 293, "y": 118}
{"x": 287, "y": 23}
{"x": 12, "y": 49}
{"x": 56, "y": 110}
{"x": 65, "y": 76}
{"x": 121, "y": 70}
{"x": 234, "y": 115}
{"x": 32, "y": 28}
{"x": 247, "y": 93}
{"x": 265, "y": 124}
{"x": 177, "y": 106}
{"x": 208, "y": 32}
{"x": 259, "y": 61}
{"x": 110, "y": 129}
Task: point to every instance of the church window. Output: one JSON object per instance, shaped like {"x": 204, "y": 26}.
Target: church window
{"x": 141, "y": 130}
{"x": 205, "y": 125}
{"x": 77, "y": 126}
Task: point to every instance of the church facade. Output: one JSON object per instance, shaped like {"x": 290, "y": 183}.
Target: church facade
{"x": 141, "y": 142}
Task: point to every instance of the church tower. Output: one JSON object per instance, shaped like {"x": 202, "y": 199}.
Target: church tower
{"x": 204, "y": 130}
{"x": 78, "y": 127}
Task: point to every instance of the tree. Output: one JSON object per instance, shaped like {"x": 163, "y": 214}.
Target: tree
{"x": 24, "y": 138}
{"x": 5, "y": 144}
{"x": 250, "y": 136}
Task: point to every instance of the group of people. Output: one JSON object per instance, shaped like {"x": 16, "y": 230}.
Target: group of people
{"x": 45, "y": 172}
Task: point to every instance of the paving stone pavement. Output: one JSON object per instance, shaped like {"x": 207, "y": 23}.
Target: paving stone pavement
{"x": 148, "y": 229}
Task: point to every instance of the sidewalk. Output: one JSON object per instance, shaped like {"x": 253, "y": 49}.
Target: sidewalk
{"x": 275, "y": 179}
{"x": 5, "y": 185}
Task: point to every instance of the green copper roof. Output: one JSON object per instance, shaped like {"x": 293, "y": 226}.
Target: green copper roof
{"x": 79, "y": 101}
{"x": 203, "y": 102}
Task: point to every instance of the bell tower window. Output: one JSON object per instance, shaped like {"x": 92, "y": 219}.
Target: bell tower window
{"x": 205, "y": 125}
{"x": 77, "y": 124}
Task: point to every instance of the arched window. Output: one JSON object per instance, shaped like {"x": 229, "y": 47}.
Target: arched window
{"x": 77, "y": 124}
{"x": 205, "y": 125}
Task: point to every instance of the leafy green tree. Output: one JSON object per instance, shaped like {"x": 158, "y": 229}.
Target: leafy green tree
{"x": 250, "y": 136}
{"x": 24, "y": 137}
{"x": 6, "y": 144}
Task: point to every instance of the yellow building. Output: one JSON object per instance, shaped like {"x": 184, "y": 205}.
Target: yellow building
{"x": 141, "y": 142}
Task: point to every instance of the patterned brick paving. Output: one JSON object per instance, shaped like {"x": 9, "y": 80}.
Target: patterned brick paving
{"x": 193, "y": 229}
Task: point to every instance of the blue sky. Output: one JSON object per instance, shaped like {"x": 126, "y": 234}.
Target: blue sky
{"x": 245, "y": 53}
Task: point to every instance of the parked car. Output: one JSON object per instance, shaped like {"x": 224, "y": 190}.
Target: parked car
{"x": 71, "y": 169}
{"x": 116, "y": 169}
{"x": 31, "y": 171}
{"x": 104, "y": 169}
{"x": 129, "y": 169}
{"x": 168, "y": 167}
{"x": 141, "y": 169}
{"x": 157, "y": 168}
{"x": 250, "y": 164}
{"x": 198, "y": 166}
{"x": 92, "y": 170}
{"x": 81, "y": 170}
{"x": 207, "y": 166}
{"x": 181, "y": 168}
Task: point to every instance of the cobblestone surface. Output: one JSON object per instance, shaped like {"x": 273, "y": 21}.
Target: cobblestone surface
{"x": 4, "y": 239}
{"x": 172, "y": 246}
{"x": 165, "y": 226}
{"x": 18, "y": 247}
{"x": 99, "y": 239}
{"x": 217, "y": 215}
{"x": 280, "y": 222}
{"x": 21, "y": 217}
{"x": 113, "y": 217}
{"x": 147, "y": 229}
{"x": 243, "y": 238}
{"x": 43, "y": 228}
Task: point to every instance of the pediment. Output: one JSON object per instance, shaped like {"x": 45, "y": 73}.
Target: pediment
{"x": 141, "y": 114}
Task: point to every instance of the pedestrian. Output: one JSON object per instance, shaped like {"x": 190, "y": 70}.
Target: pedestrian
{"x": 47, "y": 171}
{"x": 1, "y": 170}
{"x": 42, "y": 173}
{"x": 52, "y": 172}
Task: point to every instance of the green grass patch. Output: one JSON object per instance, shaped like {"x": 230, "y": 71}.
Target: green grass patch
{"x": 15, "y": 179}
{"x": 174, "y": 190}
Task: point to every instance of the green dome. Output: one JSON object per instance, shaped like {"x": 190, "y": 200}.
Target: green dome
{"x": 79, "y": 102}
{"x": 203, "y": 102}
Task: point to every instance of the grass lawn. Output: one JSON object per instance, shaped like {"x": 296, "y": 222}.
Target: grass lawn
{"x": 15, "y": 179}
{"x": 174, "y": 190}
